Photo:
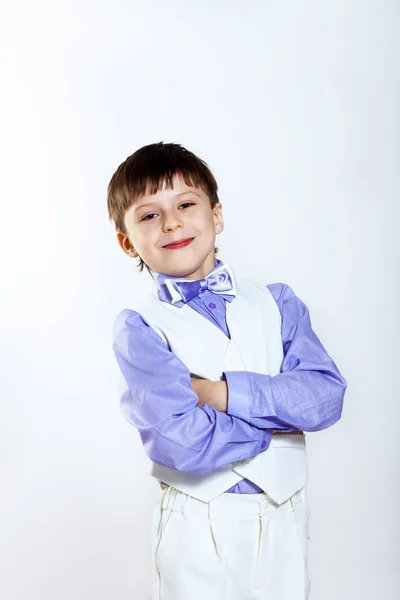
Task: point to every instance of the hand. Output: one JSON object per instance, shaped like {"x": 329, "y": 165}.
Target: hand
{"x": 213, "y": 393}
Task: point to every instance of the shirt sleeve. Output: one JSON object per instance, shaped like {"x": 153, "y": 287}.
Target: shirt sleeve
{"x": 308, "y": 392}
{"x": 160, "y": 402}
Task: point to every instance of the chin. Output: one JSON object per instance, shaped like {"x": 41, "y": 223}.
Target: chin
{"x": 181, "y": 264}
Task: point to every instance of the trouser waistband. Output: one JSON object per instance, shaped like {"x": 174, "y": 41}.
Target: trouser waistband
{"x": 226, "y": 504}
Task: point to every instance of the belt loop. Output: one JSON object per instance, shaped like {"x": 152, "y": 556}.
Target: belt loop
{"x": 265, "y": 501}
{"x": 261, "y": 504}
{"x": 210, "y": 510}
{"x": 164, "y": 493}
{"x": 169, "y": 492}
{"x": 291, "y": 504}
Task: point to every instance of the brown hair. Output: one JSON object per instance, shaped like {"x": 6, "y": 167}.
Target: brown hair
{"x": 150, "y": 168}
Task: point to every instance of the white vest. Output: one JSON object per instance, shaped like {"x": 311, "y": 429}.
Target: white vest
{"x": 254, "y": 323}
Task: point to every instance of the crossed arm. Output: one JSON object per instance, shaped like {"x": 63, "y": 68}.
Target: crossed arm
{"x": 215, "y": 394}
{"x": 196, "y": 426}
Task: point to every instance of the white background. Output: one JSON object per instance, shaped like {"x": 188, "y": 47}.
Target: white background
{"x": 294, "y": 105}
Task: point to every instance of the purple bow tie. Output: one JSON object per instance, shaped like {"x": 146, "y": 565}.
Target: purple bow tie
{"x": 220, "y": 281}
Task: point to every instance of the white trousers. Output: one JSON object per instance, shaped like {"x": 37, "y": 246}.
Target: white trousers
{"x": 236, "y": 547}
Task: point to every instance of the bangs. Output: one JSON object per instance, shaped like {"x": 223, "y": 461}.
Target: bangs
{"x": 158, "y": 181}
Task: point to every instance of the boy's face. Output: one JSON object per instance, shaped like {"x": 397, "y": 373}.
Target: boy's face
{"x": 183, "y": 213}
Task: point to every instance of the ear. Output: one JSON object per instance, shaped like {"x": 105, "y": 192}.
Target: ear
{"x": 126, "y": 245}
{"x": 218, "y": 218}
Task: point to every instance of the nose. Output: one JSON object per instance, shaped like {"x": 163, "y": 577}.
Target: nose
{"x": 171, "y": 222}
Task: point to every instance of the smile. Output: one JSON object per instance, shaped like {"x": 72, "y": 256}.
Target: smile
{"x": 180, "y": 244}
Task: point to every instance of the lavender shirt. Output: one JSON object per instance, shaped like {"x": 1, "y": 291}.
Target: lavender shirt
{"x": 161, "y": 404}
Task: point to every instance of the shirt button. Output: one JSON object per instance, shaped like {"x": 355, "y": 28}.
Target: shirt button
{"x": 263, "y": 444}
{"x": 212, "y": 305}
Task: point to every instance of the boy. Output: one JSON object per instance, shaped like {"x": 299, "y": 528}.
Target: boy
{"x": 223, "y": 377}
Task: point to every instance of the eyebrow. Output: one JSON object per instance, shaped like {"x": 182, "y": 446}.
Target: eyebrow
{"x": 152, "y": 203}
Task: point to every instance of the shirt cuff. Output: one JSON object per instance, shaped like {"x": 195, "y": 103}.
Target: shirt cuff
{"x": 239, "y": 394}
{"x": 246, "y": 399}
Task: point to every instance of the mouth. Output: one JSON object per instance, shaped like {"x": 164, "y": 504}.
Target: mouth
{"x": 179, "y": 244}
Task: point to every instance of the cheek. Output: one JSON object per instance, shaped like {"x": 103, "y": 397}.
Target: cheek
{"x": 204, "y": 224}
{"x": 145, "y": 237}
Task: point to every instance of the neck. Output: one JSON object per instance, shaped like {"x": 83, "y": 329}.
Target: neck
{"x": 161, "y": 277}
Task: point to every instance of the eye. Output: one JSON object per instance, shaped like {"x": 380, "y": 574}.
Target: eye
{"x": 147, "y": 217}
{"x": 187, "y": 204}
